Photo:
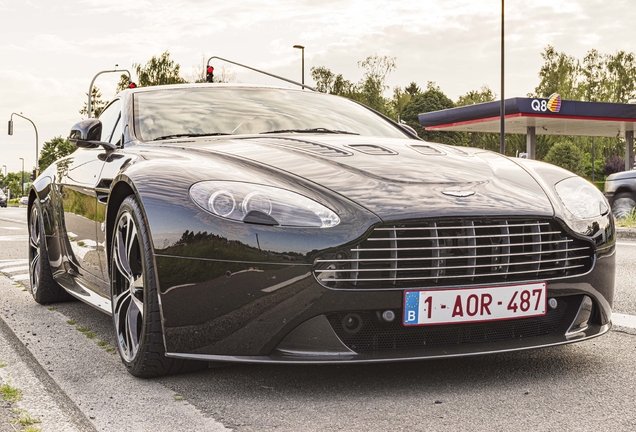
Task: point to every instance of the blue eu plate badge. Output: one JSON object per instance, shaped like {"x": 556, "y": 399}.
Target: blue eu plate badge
{"x": 411, "y": 307}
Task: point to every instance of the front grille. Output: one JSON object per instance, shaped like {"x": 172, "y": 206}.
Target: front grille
{"x": 456, "y": 252}
{"x": 375, "y": 335}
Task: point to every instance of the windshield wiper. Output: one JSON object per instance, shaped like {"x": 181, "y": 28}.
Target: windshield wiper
{"x": 312, "y": 130}
{"x": 165, "y": 137}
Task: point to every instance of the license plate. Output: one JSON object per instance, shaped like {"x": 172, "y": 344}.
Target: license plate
{"x": 453, "y": 306}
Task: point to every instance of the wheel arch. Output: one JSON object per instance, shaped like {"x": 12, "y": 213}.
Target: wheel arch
{"x": 118, "y": 194}
{"x": 624, "y": 189}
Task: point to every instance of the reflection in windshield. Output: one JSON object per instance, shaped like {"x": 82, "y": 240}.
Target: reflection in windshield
{"x": 200, "y": 111}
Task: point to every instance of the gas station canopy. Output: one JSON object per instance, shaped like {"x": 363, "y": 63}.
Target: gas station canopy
{"x": 538, "y": 116}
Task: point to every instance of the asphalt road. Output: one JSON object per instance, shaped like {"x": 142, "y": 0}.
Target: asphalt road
{"x": 73, "y": 383}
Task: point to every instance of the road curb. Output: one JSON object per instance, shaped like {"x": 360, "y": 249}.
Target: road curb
{"x": 625, "y": 233}
{"x": 95, "y": 381}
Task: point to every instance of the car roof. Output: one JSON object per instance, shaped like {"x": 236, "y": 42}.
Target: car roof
{"x": 209, "y": 85}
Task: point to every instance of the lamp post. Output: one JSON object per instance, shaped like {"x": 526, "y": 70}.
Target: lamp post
{"x": 502, "y": 126}
{"x": 22, "y": 159}
{"x": 37, "y": 152}
{"x": 302, "y": 48}
{"x": 5, "y": 170}
{"x": 90, "y": 88}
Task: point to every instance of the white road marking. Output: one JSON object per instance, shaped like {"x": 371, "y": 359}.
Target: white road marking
{"x": 284, "y": 284}
{"x": 624, "y": 320}
{"x": 13, "y": 228}
{"x": 14, "y": 238}
{"x": 9, "y": 263}
{"x": 20, "y": 277}
{"x": 626, "y": 243}
{"x": 15, "y": 269}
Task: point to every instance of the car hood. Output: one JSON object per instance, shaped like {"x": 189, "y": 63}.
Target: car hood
{"x": 397, "y": 178}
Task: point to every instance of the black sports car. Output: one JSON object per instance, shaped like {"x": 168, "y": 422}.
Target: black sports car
{"x": 257, "y": 224}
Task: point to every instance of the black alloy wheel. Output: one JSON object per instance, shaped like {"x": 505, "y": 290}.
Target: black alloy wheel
{"x": 134, "y": 298}
{"x": 44, "y": 289}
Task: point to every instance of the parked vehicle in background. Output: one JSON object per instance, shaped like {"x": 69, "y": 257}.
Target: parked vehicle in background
{"x": 3, "y": 199}
{"x": 24, "y": 200}
{"x": 620, "y": 191}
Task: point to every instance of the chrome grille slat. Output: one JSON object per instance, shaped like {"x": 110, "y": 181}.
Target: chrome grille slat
{"x": 440, "y": 277}
{"x": 460, "y": 227}
{"x": 466, "y": 237}
{"x": 456, "y": 247}
{"x": 457, "y": 252}
{"x": 455, "y": 267}
{"x": 448, "y": 258}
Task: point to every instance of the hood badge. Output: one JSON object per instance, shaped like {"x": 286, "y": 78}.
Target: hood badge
{"x": 459, "y": 193}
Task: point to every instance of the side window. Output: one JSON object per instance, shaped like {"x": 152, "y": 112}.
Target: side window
{"x": 109, "y": 119}
{"x": 116, "y": 138}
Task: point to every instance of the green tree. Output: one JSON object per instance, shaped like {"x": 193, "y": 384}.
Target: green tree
{"x": 559, "y": 74}
{"x": 412, "y": 89}
{"x": 369, "y": 90}
{"x": 397, "y": 104}
{"x": 53, "y": 150}
{"x": 432, "y": 99}
{"x": 157, "y": 71}
{"x": 489, "y": 141}
{"x": 13, "y": 182}
{"x": 97, "y": 104}
{"x": 328, "y": 82}
{"x": 372, "y": 86}
{"x": 566, "y": 155}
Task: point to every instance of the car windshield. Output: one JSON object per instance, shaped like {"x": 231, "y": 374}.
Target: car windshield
{"x": 165, "y": 114}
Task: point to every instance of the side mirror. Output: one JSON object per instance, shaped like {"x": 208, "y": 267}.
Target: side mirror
{"x": 87, "y": 134}
{"x": 408, "y": 128}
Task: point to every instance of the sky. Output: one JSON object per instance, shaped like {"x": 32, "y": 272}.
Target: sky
{"x": 50, "y": 50}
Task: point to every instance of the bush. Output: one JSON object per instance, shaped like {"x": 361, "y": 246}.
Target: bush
{"x": 566, "y": 155}
{"x": 613, "y": 164}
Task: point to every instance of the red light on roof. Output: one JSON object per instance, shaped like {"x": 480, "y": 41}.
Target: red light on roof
{"x": 210, "y": 69}
{"x": 132, "y": 85}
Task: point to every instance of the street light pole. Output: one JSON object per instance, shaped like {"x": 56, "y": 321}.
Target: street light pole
{"x": 5, "y": 170}
{"x": 37, "y": 152}
{"x": 302, "y": 48}
{"x": 22, "y": 159}
{"x": 502, "y": 126}
{"x": 90, "y": 88}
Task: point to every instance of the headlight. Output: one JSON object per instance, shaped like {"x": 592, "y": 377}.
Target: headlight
{"x": 581, "y": 198}
{"x": 261, "y": 204}
{"x": 585, "y": 203}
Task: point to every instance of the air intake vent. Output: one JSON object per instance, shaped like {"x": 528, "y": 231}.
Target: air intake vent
{"x": 456, "y": 252}
{"x": 372, "y": 149}
{"x": 308, "y": 146}
{"x": 426, "y": 150}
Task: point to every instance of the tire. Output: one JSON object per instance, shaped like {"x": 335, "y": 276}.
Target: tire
{"x": 134, "y": 299}
{"x": 44, "y": 289}
{"x": 622, "y": 205}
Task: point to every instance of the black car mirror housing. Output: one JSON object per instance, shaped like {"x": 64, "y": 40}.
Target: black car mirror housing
{"x": 87, "y": 134}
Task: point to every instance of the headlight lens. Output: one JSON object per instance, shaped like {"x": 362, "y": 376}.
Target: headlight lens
{"x": 261, "y": 204}
{"x": 581, "y": 198}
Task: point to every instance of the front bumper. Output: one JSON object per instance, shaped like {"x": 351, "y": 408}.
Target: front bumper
{"x": 279, "y": 313}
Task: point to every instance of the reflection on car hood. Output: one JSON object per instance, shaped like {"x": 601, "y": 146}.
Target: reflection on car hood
{"x": 399, "y": 178}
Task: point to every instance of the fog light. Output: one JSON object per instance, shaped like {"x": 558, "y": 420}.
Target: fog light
{"x": 352, "y": 323}
{"x": 552, "y": 303}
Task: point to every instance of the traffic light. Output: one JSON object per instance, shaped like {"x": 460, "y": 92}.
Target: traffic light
{"x": 33, "y": 175}
{"x": 209, "y": 74}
